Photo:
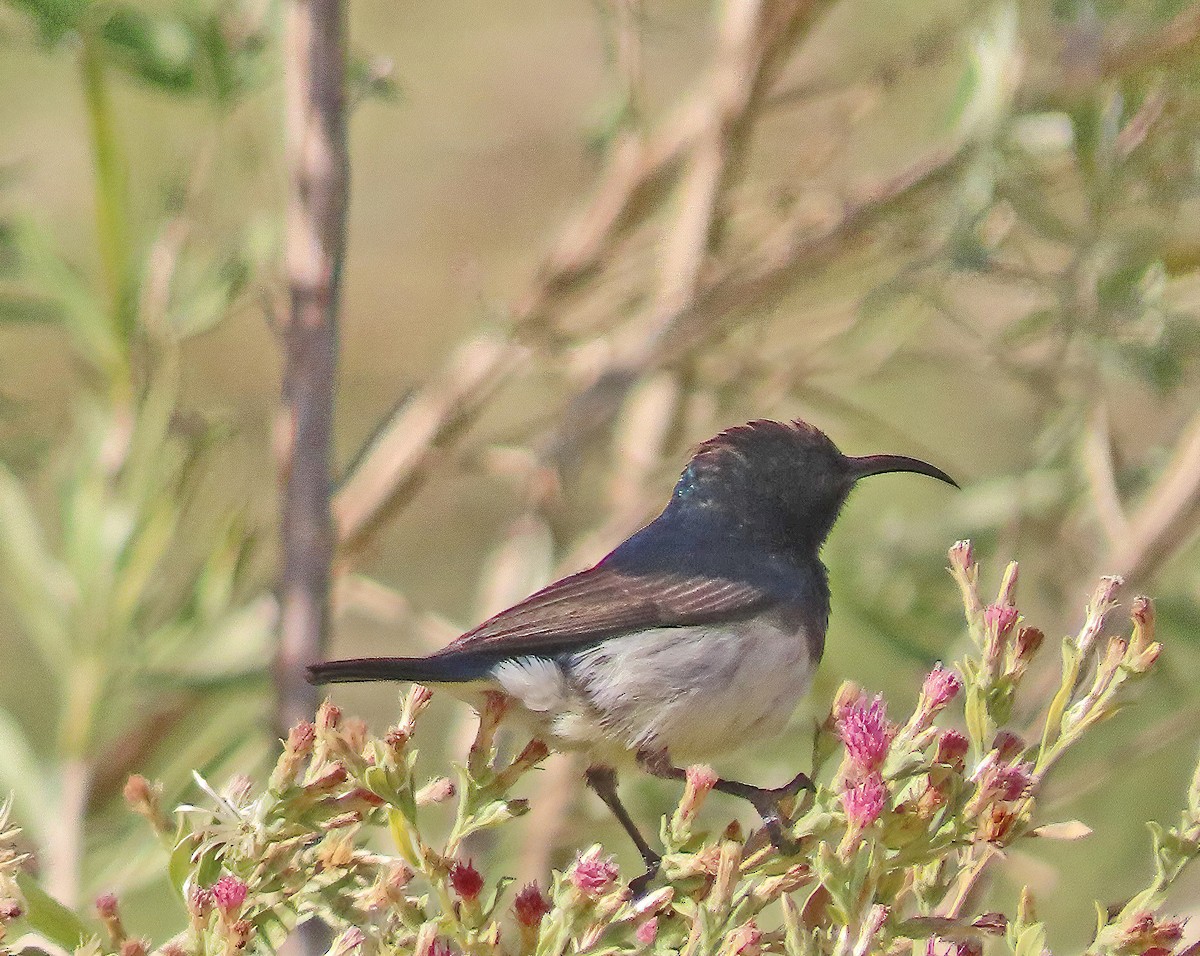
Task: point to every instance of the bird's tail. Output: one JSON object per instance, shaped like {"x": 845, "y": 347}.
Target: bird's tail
{"x": 421, "y": 670}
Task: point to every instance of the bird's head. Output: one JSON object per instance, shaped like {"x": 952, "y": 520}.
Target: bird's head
{"x": 779, "y": 481}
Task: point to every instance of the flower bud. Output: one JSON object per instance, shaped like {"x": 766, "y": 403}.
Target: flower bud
{"x": 466, "y": 880}
{"x": 647, "y": 932}
{"x": 132, "y": 947}
{"x": 110, "y": 915}
{"x": 297, "y": 749}
{"x": 530, "y": 905}
{"x": 1143, "y": 649}
{"x": 700, "y": 779}
{"x": 746, "y": 940}
{"x": 998, "y": 622}
{"x": 229, "y": 893}
{"x": 952, "y": 749}
{"x": 1101, "y": 602}
{"x": 1008, "y": 746}
{"x": 941, "y": 686}
{"x": 438, "y": 790}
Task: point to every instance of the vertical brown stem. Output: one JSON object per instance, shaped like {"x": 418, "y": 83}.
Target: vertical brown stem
{"x": 316, "y": 232}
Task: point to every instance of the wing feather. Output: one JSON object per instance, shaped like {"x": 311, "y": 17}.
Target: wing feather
{"x": 602, "y": 601}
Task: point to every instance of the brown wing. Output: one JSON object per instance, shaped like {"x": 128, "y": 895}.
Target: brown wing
{"x": 601, "y": 602}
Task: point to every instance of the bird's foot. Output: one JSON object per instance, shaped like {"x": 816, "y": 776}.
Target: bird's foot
{"x": 769, "y": 802}
{"x": 639, "y": 886}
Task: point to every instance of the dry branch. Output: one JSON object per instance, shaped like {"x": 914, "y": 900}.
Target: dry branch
{"x": 316, "y": 228}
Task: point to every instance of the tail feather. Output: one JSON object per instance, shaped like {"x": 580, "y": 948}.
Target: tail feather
{"x": 436, "y": 670}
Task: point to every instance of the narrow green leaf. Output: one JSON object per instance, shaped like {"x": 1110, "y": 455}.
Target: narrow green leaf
{"x": 47, "y": 916}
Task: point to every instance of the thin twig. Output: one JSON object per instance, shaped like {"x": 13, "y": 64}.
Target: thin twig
{"x": 1168, "y": 517}
{"x": 1097, "y": 459}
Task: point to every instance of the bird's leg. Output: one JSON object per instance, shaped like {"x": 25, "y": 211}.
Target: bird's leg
{"x": 765, "y": 800}
{"x": 603, "y": 780}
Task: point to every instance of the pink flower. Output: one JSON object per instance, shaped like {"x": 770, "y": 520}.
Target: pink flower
{"x": 1008, "y": 745}
{"x": 106, "y": 905}
{"x": 867, "y": 733}
{"x": 647, "y": 932}
{"x": 864, "y": 801}
{"x": 952, "y": 749}
{"x": 229, "y": 893}
{"x": 999, "y": 781}
{"x": 592, "y": 874}
{"x": 941, "y": 687}
{"x": 466, "y": 880}
{"x": 530, "y": 905}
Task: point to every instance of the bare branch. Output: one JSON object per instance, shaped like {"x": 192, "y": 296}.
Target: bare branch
{"x": 1098, "y": 464}
{"x": 316, "y": 228}
{"x": 1168, "y": 517}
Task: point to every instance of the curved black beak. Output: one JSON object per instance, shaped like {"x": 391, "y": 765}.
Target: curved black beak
{"x": 886, "y": 464}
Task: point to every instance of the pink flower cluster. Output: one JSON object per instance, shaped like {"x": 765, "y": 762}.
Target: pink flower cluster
{"x": 866, "y": 733}
{"x": 864, "y": 801}
{"x": 229, "y": 893}
{"x": 593, "y": 874}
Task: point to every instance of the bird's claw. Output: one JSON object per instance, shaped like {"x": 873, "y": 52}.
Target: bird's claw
{"x": 768, "y": 803}
{"x": 639, "y": 886}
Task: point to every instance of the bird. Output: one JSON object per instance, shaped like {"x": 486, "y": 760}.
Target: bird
{"x": 695, "y": 636}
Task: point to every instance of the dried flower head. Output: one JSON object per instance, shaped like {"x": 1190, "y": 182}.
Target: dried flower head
{"x": 866, "y": 733}
{"x": 1145, "y": 931}
{"x": 593, "y": 874}
{"x": 530, "y": 905}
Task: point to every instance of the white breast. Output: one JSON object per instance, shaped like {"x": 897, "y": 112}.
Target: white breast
{"x": 695, "y": 691}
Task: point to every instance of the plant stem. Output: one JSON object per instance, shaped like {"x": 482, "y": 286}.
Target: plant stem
{"x": 112, "y": 203}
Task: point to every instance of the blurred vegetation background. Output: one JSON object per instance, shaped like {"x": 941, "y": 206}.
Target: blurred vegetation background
{"x": 583, "y": 237}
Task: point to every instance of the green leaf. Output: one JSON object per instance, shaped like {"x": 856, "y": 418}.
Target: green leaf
{"x": 154, "y": 49}
{"x": 47, "y": 916}
{"x": 37, "y": 584}
{"x": 23, "y": 776}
